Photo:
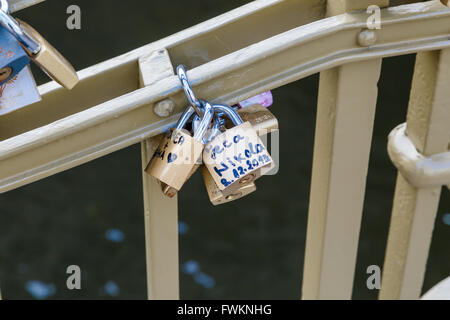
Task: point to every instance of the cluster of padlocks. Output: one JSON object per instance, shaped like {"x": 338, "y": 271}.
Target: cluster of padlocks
{"x": 20, "y": 44}
{"x": 223, "y": 140}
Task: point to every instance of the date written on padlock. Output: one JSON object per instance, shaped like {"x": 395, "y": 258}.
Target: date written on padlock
{"x": 235, "y": 157}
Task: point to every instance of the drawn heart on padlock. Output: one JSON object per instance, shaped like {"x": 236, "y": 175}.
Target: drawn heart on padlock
{"x": 171, "y": 158}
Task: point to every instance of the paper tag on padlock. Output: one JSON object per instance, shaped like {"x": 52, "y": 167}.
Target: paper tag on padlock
{"x": 18, "y": 92}
{"x": 50, "y": 60}
{"x": 217, "y": 197}
{"x": 13, "y": 58}
{"x": 235, "y": 158}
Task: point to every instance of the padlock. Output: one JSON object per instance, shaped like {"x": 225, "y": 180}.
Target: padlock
{"x": 13, "y": 58}
{"x": 215, "y": 195}
{"x": 50, "y": 60}
{"x": 38, "y": 49}
{"x": 261, "y": 119}
{"x": 235, "y": 157}
{"x": 179, "y": 154}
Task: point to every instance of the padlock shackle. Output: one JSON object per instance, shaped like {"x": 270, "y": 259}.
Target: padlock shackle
{"x": 184, "y": 119}
{"x": 208, "y": 114}
{"x": 9, "y": 23}
{"x": 230, "y": 113}
{"x": 217, "y": 123}
{"x": 200, "y": 128}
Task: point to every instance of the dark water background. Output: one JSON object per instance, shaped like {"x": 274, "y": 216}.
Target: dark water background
{"x": 92, "y": 216}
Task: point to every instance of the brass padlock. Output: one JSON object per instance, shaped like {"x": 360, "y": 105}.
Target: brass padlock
{"x": 50, "y": 60}
{"x": 171, "y": 191}
{"x": 235, "y": 157}
{"x": 261, "y": 119}
{"x": 217, "y": 197}
{"x": 38, "y": 49}
{"x": 180, "y": 154}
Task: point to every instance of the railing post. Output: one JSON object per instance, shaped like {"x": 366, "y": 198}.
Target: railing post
{"x": 345, "y": 117}
{"x": 414, "y": 210}
{"x": 161, "y": 213}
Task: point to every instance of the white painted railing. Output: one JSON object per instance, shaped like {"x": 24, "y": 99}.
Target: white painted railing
{"x": 302, "y": 37}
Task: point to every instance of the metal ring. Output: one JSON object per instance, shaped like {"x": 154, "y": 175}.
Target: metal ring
{"x": 184, "y": 119}
{"x": 195, "y": 103}
{"x": 10, "y": 24}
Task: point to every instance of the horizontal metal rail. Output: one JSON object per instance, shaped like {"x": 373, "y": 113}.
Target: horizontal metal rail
{"x": 200, "y": 44}
{"x": 127, "y": 117}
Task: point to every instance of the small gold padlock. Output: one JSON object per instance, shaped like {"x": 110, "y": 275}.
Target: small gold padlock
{"x": 175, "y": 160}
{"x": 50, "y": 60}
{"x": 217, "y": 197}
{"x": 235, "y": 157}
{"x": 261, "y": 119}
{"x": 179, "y": 154}
{"x": 171, "y": 191}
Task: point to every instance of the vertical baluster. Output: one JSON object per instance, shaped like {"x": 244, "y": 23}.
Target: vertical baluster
{"x": 414, "y": 210}
{"x": 345, "y": 117}
{"x": 161, "y": 212}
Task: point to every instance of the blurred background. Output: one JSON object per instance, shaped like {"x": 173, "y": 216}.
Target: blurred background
{"x": 92, "y": 216}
